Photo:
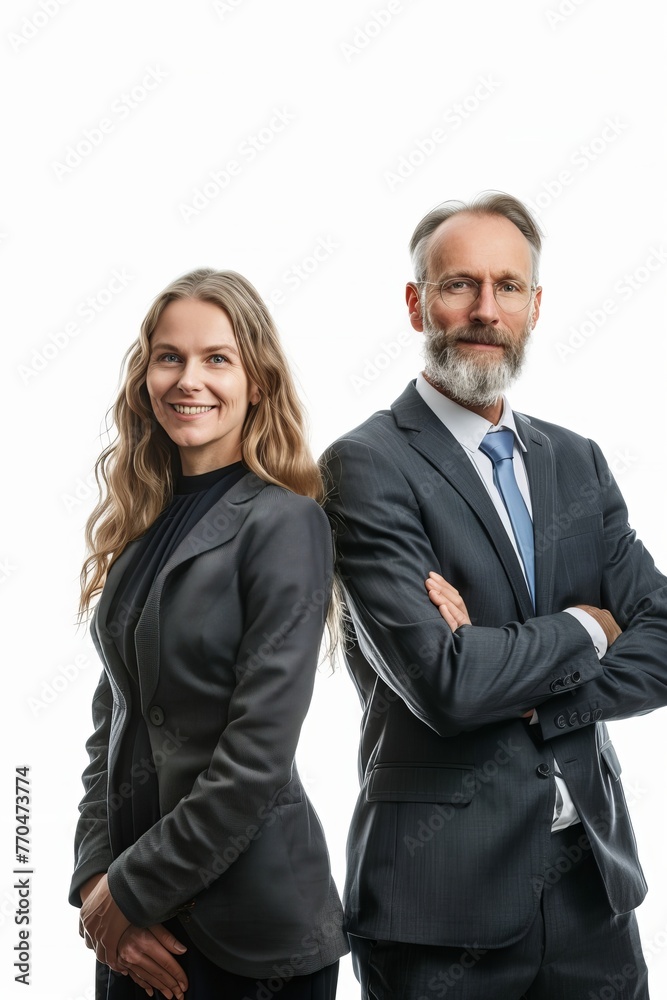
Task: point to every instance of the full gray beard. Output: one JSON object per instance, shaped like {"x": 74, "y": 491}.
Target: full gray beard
{"x": 472, "y": 381}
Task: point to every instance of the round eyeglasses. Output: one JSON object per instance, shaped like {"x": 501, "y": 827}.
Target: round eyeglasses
{"x": 460, "y": 293}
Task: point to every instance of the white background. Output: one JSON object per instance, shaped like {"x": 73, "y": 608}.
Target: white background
{"x": 521, "y": 94}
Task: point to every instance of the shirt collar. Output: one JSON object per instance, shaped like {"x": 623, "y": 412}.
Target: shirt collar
{"x": 467, "y": 427}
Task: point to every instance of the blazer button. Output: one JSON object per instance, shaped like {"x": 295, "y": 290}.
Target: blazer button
{"x": 556, "y": 685}
{"x": 543, "y": 770}
{"x": 576, "y": 677}
{"x": 156, "y": 715}
{"x": 597, "y": 714}
{"x": 560, "y": 721}
{"x": 574, "y": 719}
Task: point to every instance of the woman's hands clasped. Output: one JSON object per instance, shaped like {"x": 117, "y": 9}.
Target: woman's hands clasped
{"x": 143, "y": 953}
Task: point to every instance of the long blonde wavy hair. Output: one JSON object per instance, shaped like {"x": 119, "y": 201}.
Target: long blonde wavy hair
{"x": 135, "y": 472}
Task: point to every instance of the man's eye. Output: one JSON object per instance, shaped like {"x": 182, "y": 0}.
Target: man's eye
{"x": 458, "y": 285}
{"x": 508, "y": 287}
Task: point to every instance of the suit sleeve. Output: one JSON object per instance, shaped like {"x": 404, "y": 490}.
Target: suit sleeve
{"x": 451, "y": 681}
{"x": 633, "y": 680}
{"x": 286, "y": 578}
{"x": 92, "y": 849}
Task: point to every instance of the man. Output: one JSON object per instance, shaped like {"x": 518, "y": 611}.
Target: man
{"x": 491, "y": 856}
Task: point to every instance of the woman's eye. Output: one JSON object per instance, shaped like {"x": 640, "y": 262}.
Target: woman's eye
{"x": 218, "y": 358}
{"x": 169, "y": 357}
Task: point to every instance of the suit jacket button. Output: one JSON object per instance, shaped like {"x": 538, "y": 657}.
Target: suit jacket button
{"x": 597, "y": 714}
{"x": 560, "y": 721}
{"x": 556, "y": 685}
{"x": 156, "y": 715}
{"x": 576, "y": 677}
{"x": 543, "y": 770}
{"x": 573, "y": 720}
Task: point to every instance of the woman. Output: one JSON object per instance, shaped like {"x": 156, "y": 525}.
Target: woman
{"x": 214, "y": 564}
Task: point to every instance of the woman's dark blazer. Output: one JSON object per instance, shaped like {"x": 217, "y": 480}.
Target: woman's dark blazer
{"x": 227, "y": 646}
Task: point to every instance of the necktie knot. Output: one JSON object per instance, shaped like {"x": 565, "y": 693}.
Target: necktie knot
{"x": 498, "y": 445}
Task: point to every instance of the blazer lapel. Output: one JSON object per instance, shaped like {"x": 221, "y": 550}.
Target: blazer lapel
{"x": 220, "y": 524}
{"x": 102, "y": 630}
{"x": 541, "y": 472}
{"x": 441, "y": 449}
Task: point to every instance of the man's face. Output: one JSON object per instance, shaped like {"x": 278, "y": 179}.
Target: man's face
{"x": 473, "y": 352}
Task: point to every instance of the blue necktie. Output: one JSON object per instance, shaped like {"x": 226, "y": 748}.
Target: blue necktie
{"x": 499, "y": 446}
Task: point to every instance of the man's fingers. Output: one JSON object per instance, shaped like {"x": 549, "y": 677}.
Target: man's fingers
{"x": 439, "y": 582}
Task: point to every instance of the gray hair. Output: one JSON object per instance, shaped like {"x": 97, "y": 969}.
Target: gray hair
{"x": 486, "y": 203}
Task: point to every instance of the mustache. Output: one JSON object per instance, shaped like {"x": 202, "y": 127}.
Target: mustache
{"x": 480, "y": 335}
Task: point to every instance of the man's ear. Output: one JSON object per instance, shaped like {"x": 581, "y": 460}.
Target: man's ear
{"x": 414, "y": 306}
{"x": 537, "y": 299}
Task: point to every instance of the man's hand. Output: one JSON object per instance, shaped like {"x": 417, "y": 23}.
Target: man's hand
{"x": 102, "y": 923}
{"x": 146, "y": 953}
{"x": 605, "y": 620}
{"x": 448, "y": 601}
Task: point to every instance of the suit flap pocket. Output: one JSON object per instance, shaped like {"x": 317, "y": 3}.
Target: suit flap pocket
{"x": 581, "y": 526}
{"x": 414, "y": 783}
{"x": 608, "y": 754}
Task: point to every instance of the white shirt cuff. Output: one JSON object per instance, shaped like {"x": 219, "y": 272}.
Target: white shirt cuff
{"x": 596, "y": 632}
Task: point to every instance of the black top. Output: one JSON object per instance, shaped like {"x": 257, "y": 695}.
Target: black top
{"x": 193, "y": 496}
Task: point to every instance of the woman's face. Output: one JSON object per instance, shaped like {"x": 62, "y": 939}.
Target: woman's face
{"x": 197, "y": 386}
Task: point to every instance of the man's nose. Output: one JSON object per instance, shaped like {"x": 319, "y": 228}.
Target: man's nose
{"x": 485, "y": 308}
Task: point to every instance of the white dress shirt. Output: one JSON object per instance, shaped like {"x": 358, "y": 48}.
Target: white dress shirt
{"x": 470, "y": 429}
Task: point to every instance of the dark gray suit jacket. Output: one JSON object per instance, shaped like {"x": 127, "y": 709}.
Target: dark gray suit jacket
{"x": 227, "y": 647}
{"x": 452, "y": 827}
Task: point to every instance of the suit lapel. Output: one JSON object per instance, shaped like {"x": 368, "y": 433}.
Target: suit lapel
{"x": 441, "y": 449}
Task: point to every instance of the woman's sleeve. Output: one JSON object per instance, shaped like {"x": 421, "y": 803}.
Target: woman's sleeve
{"x": 286, "y": 577}
{"x": 92, "y": 850}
